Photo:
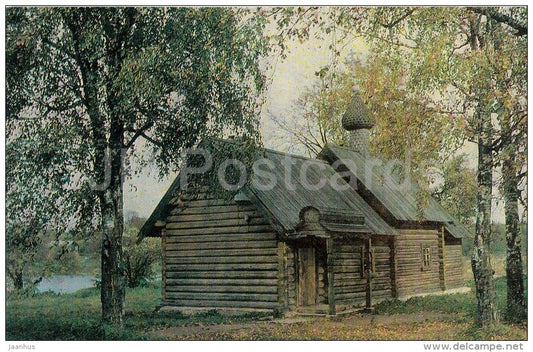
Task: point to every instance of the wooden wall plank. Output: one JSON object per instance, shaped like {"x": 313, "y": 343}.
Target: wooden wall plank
{"x": 213, "y": 297}
{"x": 212, "y": 209}
{"x": 213, "y": 216}
{"x": 220, "y": 230}
{"x": 230, "y": 274}
{"x": 215, "y": 252}
{"x": 219, "y": 303}
{"x": 222, "y": 282}
{"x": 222, "y": 260}
{"x": 219, "y": 254}
{"x": 222, "y": 289}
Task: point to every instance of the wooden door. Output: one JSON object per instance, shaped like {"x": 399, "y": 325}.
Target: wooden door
{"x": 306, "y": 276}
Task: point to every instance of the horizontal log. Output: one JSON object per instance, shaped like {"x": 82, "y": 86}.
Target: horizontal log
{"x": 418, "y": 232}
{"x": 455, "y": 264}
{"x": 212, "y": 209}
{"x": 413, "y": 266}
{"x": 458, "y": 273}
{"x": 414, "y": 250}
{"x": 350, "y": 296}
{"x": 220, "y": 267}
{"x": 220, "y": 303}
{"x": 213, "y": 216}
{"x": 381, "y": 245}
{"x": 220, "y": 246}
{"x": 412, "y": 288}
{"x": 209, "y": 224}
{"x": 341, "y": 290}
{"x": 259, "y": 236}
{"x": 221, "y": 260}
{"x": 402, "y": 239}
{"x": 221, "y": 282}
{"x": 345, "y": 255}
{"x": 348, "y": 276}
{"x": 382, "y": 250}
{"x": 346, "y": 268}
{"x": 347, "y": 281}
{"x": 346, "y": 262}
{"x": 454, "y": 250}
{"x": 211, "y": 252}
{"x": 422, "y": 279}
{"x": 354, "y": 282}
{"x": 453, "y": 259}
{"x": 417, "y": 278}
{"x": 223, "y": 296}
{"x": 205, "y": 202}
{"x": 222, "y": 289}
{"x": 227, "y": 274}
{"x": 220, "y": 230}
{"x": 347, "y": 248}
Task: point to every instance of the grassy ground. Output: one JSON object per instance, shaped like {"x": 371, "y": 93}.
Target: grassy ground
{"x": 76, "y": 317}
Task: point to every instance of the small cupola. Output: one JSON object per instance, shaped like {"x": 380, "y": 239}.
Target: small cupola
{"x": 357, "y": 115}
{"x": 358, "y": 120}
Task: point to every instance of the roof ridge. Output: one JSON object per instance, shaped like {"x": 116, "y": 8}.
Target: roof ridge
{"x": 294, "y": 155}
{"x": 227, "y": 140}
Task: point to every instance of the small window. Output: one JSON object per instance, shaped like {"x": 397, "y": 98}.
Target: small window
{"x": 426, "y": 258}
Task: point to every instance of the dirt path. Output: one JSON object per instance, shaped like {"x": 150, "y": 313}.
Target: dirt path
{"x": 264, "y": 329}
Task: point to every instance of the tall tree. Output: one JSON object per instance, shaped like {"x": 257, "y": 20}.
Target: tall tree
{"x": 86, "y": 84}
{"x": 510, "y": 106}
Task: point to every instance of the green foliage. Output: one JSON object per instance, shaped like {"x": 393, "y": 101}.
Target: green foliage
{"x": 458, "y": 193}
{"x": 451, "y": 303}
{"x": 499, "y": 243}
{"x": 139, "y": 258}
{"x": 88, "y": 86}
{"x": 170, "y": 76}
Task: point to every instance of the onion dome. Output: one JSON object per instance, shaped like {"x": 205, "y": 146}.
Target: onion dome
{"x": 357, "y": 115}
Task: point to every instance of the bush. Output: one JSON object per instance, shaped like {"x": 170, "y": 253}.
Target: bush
{"x": 139, "y": 258}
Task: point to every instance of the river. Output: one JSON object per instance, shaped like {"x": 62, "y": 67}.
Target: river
{"x": 66, "y": 283}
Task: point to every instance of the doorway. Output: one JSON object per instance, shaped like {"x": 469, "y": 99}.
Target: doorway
{"x": 307, "y": 275}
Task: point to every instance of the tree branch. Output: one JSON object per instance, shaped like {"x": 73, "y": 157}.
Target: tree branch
{"x": 139, "y": 133}
{"x": 398, "y": 20}
{"x": 501, "y": 18}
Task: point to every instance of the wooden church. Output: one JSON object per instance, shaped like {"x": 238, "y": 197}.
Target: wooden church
{"x": 341, "y": 238}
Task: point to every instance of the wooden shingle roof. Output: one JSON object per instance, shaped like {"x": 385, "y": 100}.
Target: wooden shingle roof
{"x": 397, "y": 198}
{"x": 299, "y": 183}
{"x": 290, "y": 194}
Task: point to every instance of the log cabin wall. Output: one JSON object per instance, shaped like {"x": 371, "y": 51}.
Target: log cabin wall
{"x": 412, "y": 276}
{"x": 453, "y": 262}
{"x": 350, "y": 280}
{"x": 219, "y": 254}
{"x": 291, "y": 278}
{"x": 381, "y": 283}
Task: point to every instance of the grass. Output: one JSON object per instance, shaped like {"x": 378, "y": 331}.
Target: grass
{"x": 48, "y": 316}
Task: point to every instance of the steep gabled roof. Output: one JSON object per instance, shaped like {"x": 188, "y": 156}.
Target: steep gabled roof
{"x": 298, "y": 183}
{"x": 328, "y": 192}
{"x": 398, "y": 199}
